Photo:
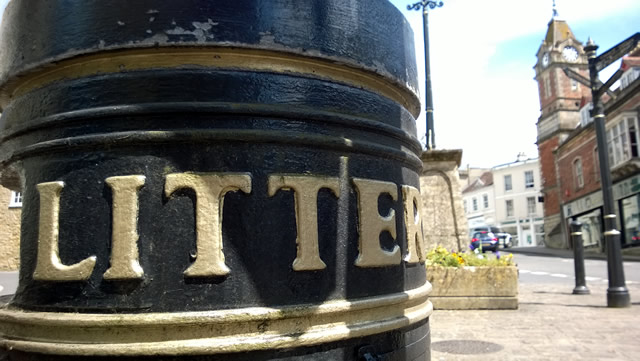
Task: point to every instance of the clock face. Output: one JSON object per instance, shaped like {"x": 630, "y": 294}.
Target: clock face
{"x": 545, "y": 59}
{"x": 570, "y": 53}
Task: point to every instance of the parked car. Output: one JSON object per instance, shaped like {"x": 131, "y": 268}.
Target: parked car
{"x": 504, "y": 238}
{"x": 488, "y": 240}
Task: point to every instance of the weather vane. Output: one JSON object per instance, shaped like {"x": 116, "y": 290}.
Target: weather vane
{"x": 555, "y": 10}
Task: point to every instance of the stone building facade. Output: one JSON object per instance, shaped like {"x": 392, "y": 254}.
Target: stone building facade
{"x": 443, "y": 219}
{"x": 517, "y": 195}
{"x": 508, "y": 197}
{"x": 10, "y": 210}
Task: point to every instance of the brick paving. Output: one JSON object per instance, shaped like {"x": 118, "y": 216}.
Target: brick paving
{"x": 550, "y": 324}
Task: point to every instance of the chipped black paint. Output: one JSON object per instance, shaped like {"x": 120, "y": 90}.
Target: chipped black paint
{"x": 364, "y": 34}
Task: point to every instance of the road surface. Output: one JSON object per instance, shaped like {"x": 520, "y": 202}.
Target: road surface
{"x": 555, "y": 270}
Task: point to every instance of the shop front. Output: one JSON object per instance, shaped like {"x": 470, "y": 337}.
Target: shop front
{"x": 526, "y": 232}
{"x": 588, "y": 211}
{"x": 627, "y": 195}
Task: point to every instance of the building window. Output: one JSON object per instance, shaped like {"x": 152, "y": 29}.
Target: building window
{"x": 547, "y": 87}
{"x": 16, "y": 200}
{"x": 577, "y": 173}
{"x": 628, "y": 77}
{"x": 531, "y": 205}
{"x": 507, "y": 183}
{"x": 633, "y": 137}
{"x": 622, "y": 141}
{"x": 464, "y": 204}
{"x": 474, "y": 202}
{"x": 574, "y": 85}
{"x": 485, "y": 200}
{"x": 509, "y": 206}
{"x": 528, "y": 179}
{"x": 585, "y": 114}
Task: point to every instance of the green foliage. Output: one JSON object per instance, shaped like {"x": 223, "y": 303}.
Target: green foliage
{"x": 440, "y": 256}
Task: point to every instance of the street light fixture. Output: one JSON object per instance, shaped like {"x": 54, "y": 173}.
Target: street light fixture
{"x": 425, "y": 6}
{"x": 617, "y": 292}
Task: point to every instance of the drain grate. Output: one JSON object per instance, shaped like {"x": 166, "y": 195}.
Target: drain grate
{"x": 466, "y": 347}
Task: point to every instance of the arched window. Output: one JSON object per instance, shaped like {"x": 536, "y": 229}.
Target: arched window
{"x": 577, "y": 173}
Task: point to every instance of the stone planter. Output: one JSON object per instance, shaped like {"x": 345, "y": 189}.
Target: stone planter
{"x": 473, "y": 288}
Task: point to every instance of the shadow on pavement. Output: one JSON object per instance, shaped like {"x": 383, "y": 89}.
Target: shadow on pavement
{"x": 562, "y": 304}
{"x": 554, "y": 293}
{"x": 466, "y": 347}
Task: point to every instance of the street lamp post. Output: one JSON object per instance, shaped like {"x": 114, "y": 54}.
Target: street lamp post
{"x": 425, "y": 6}
{"x": 617, "y": 292}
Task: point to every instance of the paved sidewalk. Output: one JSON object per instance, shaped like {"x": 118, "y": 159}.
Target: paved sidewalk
{"x": 551, "y": 324}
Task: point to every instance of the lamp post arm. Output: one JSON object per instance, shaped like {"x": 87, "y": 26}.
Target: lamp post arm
{"x": 586, "y": 81}
{"x": 605, "y": 88}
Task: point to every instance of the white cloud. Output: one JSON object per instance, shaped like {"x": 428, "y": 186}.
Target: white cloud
{"x": 500, "y": 20}
{"x": 492, "y": 118}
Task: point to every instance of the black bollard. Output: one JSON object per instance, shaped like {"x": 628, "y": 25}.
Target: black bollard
{"x": 578, "y": 259}
{"x": 213, "y": 180}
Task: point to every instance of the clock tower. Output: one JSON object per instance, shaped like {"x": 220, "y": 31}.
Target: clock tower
{"x": 560, "y": 99}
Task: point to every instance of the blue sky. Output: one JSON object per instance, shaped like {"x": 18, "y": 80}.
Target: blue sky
{"x": 482, "y": 57}
{"x": 482, "y": 54}
{"x": 3, "y": 3}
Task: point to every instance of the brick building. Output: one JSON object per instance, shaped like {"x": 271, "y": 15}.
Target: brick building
{"x": 581, "y": 195}
{"x": 560, "y": 101}
{"x": 567, "y": 143}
